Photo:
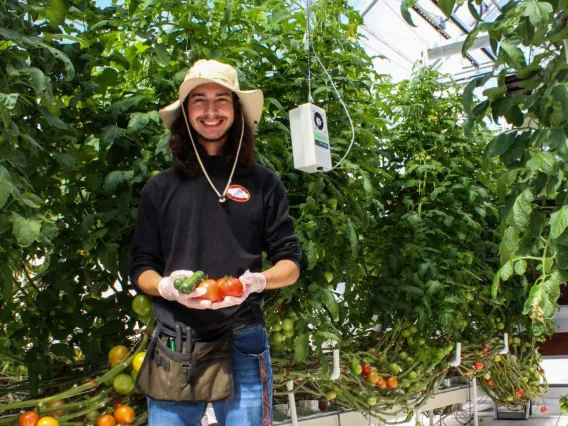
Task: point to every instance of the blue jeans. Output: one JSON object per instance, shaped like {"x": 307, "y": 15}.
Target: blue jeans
{"x": 252, "y": 376}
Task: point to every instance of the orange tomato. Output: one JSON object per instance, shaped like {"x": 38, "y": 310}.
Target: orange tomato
{"x": 106, "y": 420}
{"x": 124, "y": 415}
{"x": 47, "y": 421}
{"x": 392, "y": 383}
{"x": 381, "y": 383}
{"x": 117, "y": 354}
{"x": 29, "y": 418}
{"x": 372, "y": 378}
{"x": 213, "y": 292}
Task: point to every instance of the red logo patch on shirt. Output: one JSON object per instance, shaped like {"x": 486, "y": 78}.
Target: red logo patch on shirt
{"x": 238, "y": 193}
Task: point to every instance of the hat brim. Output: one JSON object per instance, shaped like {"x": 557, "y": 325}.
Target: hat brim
{"x": 251, "y": 102}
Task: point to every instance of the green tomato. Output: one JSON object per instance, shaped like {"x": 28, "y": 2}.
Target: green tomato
{"x": 92, "y": 416}
{"x": 394, "y": 368}
{"x": 421, "y": 341}
{"x": 413, "y": 329}
{"x": 500, "y": 326}
{"x": 487, "y": 376}
{"x": 403, "y": 355}
{"x": 497, "y": 358}
{"x": 412, "y": 375}
{"x": 289, "y": 334}
{"x": 372, "y": 401}
{"x": 142, "y": 305}
{"x": 405, "y": 333}
{"x": 287, "y": 324}
{"x": 405, "y": 383}
{"x": 410, "y": 341}
{"x": 276, "y": 328}
{"x": 409, "y": 360}
{"x": 277, "y": 339}
{"x": 509, "y": 398}
{"x": 123, "y": 384}
{"x": 293, "y": 316}
{"x": 330, "y": 395}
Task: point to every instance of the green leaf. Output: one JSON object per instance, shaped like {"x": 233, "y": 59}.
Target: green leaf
{"x": 115, "y": 178}
{"x": 543, "y": 161}
{"x": 353, "y": 240}
{"x": 329, "y": 336}
{"x": 447, "y": 6}
{"x": 55, "y": 12}
{"x": 473, "y": 11}
{"x": 558, "y": 222}
{"x": 468, "y": 42}
{"x": 310, "y": 254}
{"x": 433, "y": 287}
{"x": 560, "y": 95}
{"x": 25, "y": 230}
{"x": 537, "y": 11}
{"x": 8, "y": 101}
{"x": 110, "y": 134}
{"x": 506, "y": 270}
{"x": 471, "y": 86}
{"x": 137, "y": 122}
{"x": 520, "y": 267}
{"x": 412, "y": 290}
{"x": 405, "y": 11}
{"x": 7, "y": 282}
{"x": 302, "y": 347}
{"x": 6, "y": 189}
{"x": 495, "y": 285}
{"x": 520, "y": 214}
{"x": 509, "y": 244}
{"x": 162, "y": 54}
{"x": 330, "y": 303}
{"x": 514, "y": 56}
{"x": 328, "y": 276}
{"x": 500, "y": 144}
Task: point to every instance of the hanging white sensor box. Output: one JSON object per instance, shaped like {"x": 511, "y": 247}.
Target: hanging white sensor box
{"x": 310, "y": 139}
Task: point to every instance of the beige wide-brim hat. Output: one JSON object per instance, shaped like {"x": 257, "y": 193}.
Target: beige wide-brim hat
{"x": 210, "y": 71}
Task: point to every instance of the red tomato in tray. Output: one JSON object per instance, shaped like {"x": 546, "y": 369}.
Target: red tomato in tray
{"x": 213, "y": 293}
{"x": 230, "y": 286}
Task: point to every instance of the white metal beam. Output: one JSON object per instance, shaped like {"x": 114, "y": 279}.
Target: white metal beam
{"x": 454, "y": 48}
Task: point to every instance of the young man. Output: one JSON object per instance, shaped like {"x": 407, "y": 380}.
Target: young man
{"x": 216, "y": 211}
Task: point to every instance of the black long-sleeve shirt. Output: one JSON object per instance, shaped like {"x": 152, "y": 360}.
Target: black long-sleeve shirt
{"x": 182, "y": 225}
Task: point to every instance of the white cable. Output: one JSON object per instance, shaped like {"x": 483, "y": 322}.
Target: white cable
{"x": 505, "y": 343}
{"x": 310, "y": 42}
{"x": 292, "y": 402}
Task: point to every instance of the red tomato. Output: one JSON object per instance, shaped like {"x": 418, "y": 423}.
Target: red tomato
{"x": 478, "y": 366}
{"x": 212, "y": 288}
{"x": 366, "y": 369}
{"x": 29, "y": 418}
{"x": 490, "y": 383}
{"x": 543, "y": 410}
{"x": 230, "y": 286}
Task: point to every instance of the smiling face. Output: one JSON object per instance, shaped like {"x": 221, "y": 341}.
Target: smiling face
{"x": 211, "y": 114}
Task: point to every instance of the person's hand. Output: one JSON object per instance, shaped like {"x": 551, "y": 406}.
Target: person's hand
{"x": 169, "y": 292}
{"x": 253, "y": 282}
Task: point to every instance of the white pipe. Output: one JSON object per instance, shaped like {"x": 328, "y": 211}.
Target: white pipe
{"x": 506, "y": 343}
{"x": 292, "y": 402}
{"x": 475, "y": 418}
{"x": 457, "y": 360}
{"x": 336, "y": 372}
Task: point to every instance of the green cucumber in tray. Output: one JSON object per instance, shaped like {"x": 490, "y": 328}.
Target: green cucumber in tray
{"x": 188, "y": 284}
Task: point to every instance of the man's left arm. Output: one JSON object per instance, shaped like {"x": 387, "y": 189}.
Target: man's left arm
{"x": 282, "y": 274}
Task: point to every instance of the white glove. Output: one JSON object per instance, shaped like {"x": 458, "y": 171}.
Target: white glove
{"x": 169, "y": 292}
{"x": 253, "y": 282}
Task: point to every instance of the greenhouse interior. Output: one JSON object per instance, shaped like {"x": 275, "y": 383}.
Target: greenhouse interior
{"x": 283, "y": 212}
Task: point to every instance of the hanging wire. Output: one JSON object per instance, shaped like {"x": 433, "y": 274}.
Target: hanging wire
{"x": 308, "y": 42}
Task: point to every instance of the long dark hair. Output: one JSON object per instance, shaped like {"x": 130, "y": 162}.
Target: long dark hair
{"x": 184, "y": 158}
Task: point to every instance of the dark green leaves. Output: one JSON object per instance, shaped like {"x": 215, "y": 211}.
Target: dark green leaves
{"x": 25, "y": 230}
{"x": 447, "y": 6}
{"x": 405, "y": 10}
{"x": 558, "y": 222}
{"x": 302, "y": 347}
